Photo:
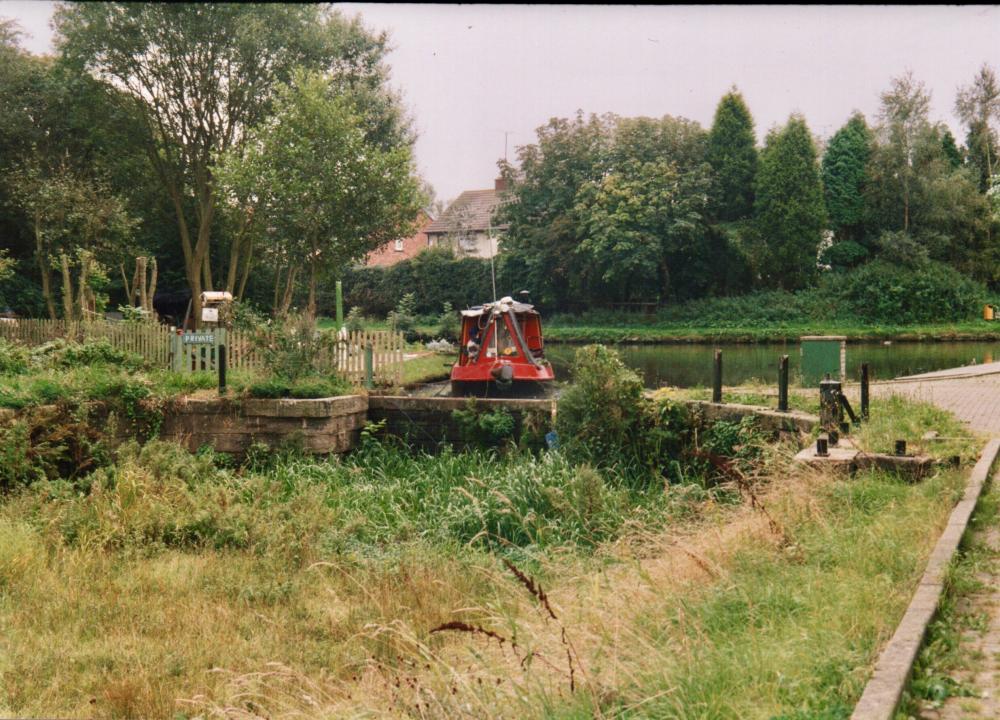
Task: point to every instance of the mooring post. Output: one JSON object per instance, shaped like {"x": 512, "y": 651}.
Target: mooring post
{"x": 783, "y": 384}
{"x": 222, "y": 369}
{"x": 717, "y": 377}
{"x": 369, "y": 370}
{"x": 864, "y": 391}
{"x": 831, "y": 413}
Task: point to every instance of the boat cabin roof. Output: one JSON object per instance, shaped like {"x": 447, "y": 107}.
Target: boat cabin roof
{"x": 501, "y": 305}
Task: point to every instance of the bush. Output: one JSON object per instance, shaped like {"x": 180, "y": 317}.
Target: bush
{"x": 355, "y": 321}
{"x": 14, "y": 359}
{"x": 484, "y": 429}
{"x": 448, "y": 325}
{"x": 403, "y": 318}
{"x": 929, "y": 292}
{"x": 604, "y": 418}
{"x": 293, "y": 348}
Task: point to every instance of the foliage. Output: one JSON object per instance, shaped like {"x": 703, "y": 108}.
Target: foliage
{"x": 844, "y": 175}
{"x": 482, "y": 428}
{"x": 403, "y": 318}
{"x": 881, "y": 291}
{"x": 14, "y": 358}
{"x": 302, "y": 387}
{"x": 605, "y": 420}
{"x": 327, "y": 192}
{"x": 240, "y": 55}
{"x": 355, "y": 320}
{"x": 293, "y": 348}
{"x": 449, "y": 325}
{"x": 732, "y": 153}
{"x": 788, "y": 210}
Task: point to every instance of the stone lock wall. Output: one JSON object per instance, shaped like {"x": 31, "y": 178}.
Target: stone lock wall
{"x": 324, "y": 425}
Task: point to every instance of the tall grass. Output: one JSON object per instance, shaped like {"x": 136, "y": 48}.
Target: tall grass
{"x": 177, "y": 585}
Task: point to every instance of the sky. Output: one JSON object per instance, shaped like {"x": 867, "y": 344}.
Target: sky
{"x": 475, "y": 76}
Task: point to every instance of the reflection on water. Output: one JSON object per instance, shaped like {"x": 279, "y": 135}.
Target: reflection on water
{"x": 691, "y": 365}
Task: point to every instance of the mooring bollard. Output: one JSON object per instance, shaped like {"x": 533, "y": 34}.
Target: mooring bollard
{"x": 783, "y": 384}
{"x": 831, "y": 413}
{"x": 222, "y": 369}
{"x": 821, "y": 447}
{"x": 901, "y": 448}
{"x": 864, "y": 391}
{"x": 717, "y": 377}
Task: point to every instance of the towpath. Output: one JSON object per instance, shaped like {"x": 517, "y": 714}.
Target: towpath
{"x": 972, "y": 394}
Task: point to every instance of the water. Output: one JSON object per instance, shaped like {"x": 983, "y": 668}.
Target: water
{"x": 691, "y": 365}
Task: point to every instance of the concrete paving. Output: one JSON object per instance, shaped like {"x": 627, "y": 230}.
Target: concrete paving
{"x": 973, "y": 396}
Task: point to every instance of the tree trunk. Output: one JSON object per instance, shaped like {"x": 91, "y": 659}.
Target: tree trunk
{"x": 129, "y": 289}
{"x": 140, "y": 270}
{"x": 150, "y": 294}
{"x": 68, "y": 313}
{"x": 45, "y": 272}
{"x": 286, "y": 301}
{"x": 246, "y": 270}
{"x": 83, "y": 298}
{"x": 311, "y": 307}
{"x": 277, "y": 290}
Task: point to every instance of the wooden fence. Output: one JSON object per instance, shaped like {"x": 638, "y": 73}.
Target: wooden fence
{"x": 165, "y": 347}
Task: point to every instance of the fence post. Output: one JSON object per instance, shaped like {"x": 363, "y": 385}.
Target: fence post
{"x": 864, "y": 391}
{"x": 368, "y": 366}
{"x": 221, "y": 360}
{"x": 783, "y": 384}
{"x": 717, "y": 377}
{"x": 340, "y": 305}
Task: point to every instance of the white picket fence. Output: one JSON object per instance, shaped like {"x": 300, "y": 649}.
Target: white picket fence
{"x": 167, "y": 347}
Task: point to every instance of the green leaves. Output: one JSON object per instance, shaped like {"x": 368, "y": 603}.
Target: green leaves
{"x": 732, "y": 153}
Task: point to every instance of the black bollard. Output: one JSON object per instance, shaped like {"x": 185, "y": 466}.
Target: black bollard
{"x": 717, "y": 378}
{"x": 821, "y": 447}
{"x": 901, "y": 448}
{"x": 222, "y": 369}
{"x": 783, "y": 384}
{"x": 864, "y": 391}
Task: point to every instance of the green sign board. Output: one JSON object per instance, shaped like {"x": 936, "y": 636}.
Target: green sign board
{"x": 823, "y": 355}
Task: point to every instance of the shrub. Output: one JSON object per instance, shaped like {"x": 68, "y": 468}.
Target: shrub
{"x": 483, "y": 428}
{"x": 293, "y": 348}
{"x": 448, "y": 325}
{"x": 355, "y": 321}
{"x": 403, "y": 318}
{"x": 929, "y": 292}
{"x": 14, "y": 359}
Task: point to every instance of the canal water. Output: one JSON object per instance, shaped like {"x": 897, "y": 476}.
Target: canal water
{"x": 691, "y": 365}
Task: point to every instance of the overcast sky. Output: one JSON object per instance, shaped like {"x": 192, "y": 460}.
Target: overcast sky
{"x": 471, "y": 73}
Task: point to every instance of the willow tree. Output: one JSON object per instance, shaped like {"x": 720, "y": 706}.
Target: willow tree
{"x": 201, "y": 76}
{"x": 328, "y": 192}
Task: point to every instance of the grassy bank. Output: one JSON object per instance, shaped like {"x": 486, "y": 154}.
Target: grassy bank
{"x": 171, "y": 585}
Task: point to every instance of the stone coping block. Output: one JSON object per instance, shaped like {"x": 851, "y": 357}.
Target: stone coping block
{"x": 769, "y": 419}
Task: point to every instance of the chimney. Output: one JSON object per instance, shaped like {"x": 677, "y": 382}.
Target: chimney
{"x": 500, "y": 185}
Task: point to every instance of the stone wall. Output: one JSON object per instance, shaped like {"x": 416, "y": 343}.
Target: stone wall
{"x": 324, "y": 425}
{"x": 426, "y": 422}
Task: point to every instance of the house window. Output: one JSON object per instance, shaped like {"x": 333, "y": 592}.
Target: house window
{"x": 399, "y": 246}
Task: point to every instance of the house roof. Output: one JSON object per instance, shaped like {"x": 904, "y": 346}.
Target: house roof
{"x": 472, "y": 210}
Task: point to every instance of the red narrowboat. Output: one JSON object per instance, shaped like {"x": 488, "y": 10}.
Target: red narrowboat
{"x": 501, "y": 351}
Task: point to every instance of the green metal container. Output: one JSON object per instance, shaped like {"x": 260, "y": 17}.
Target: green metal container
{"x": 822, "y": 355}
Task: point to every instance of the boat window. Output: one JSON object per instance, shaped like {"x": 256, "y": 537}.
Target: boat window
{"x": 507, "y": 347}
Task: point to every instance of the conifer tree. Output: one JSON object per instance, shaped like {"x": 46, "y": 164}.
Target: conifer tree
{"x": 844, "y": 168}
{"x": 733, "y": 156}
{"x": 789, "y": 215}
{"x": 951, "y": 150}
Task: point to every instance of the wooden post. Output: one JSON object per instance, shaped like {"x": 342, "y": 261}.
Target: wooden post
{"x": 368, "y": 366}
{"x": 222, "y": 369}
{"x": 340, "y": 304}
{"x": 717, "y": 377}
{"x": 864, "y": 391}
{"x": 783, "y": 384}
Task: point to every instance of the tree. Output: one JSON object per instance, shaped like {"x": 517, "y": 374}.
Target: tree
{"x": 732, "y": 153}
{"x": 789, "y": 216}
{"x": 77, "y": 223}
{"x": 978, "y": 105}
{"x": 329, "y": 193}
{"x": 904, "y": 119}
{"x": 950, "y": 148}
{"x": 844, "y": 175}
{"x": 201, "y": 76}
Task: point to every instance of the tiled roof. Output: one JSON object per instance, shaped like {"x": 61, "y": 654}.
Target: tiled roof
{"x": 473, "y": 210}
